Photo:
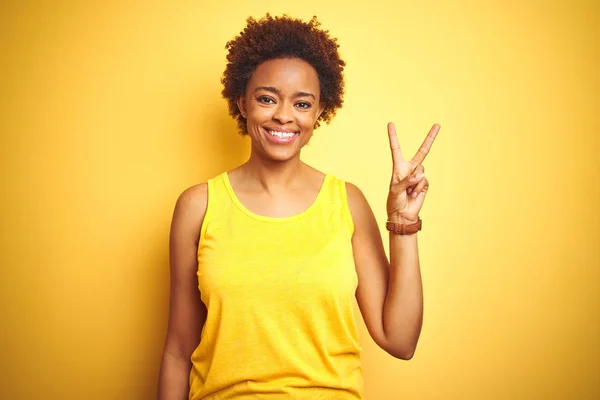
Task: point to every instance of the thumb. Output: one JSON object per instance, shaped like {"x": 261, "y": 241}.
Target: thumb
{"x": 400, "y": 187}
{"x": 408, "y": 181}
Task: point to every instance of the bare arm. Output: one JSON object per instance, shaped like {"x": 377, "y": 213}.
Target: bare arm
{"x": 390, "y": 297}
{"x": 390, "y": 294}
{"x": 186, "y": 311}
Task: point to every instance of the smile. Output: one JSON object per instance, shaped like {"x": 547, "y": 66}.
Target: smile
{"x": 282, "y": 135}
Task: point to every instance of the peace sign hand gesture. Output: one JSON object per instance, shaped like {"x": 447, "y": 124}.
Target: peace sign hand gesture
{"x": 408, "y": 186}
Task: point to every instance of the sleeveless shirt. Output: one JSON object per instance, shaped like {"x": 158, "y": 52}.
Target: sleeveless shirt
{"x": 279, "y": 293}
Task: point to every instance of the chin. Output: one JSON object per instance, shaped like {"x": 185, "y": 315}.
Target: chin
{"x": 281, "y": 156}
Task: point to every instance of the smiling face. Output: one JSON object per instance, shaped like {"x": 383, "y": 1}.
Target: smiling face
{"x": 281, "y": 106}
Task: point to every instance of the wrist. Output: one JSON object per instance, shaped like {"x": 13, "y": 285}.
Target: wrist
{"x": 403, "y": 219}
{"x": 404, "y": 228}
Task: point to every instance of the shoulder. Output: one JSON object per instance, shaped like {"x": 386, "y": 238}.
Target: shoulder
{"x": 354, "y": 192}
{"x": 356, "y": 200}
{"x": 360, "y": 210}
{"x": 190, "y": 209}
{"x": 194, "y": 197}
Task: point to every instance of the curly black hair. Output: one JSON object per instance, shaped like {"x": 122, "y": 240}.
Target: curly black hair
{"x": 283, "y": 37}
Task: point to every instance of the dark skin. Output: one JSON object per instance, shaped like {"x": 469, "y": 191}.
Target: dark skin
{"x": 282, "y": 95}
{"x": 281, "y": 105}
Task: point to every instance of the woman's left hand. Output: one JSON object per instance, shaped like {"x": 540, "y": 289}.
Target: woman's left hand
{"x": 408, "y": 186}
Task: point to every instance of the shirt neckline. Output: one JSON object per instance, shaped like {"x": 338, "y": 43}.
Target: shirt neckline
{"x": 246, "y": 211}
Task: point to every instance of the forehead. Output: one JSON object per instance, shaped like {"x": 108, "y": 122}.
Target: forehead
{"x": 286, "y": 73}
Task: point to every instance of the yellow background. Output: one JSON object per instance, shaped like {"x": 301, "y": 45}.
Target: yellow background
{"x": 108, "y": 111}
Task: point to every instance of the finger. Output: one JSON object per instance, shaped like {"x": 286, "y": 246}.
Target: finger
{"x": 407, "y": 184}
{"x": 426, "y": 146}
{"x": 420, "y": 188}
{"x": 418, "y": 170}
{"x": 394, "y": 145}
{"x": 403, "y": 185}
{"x": 416, "y": 175}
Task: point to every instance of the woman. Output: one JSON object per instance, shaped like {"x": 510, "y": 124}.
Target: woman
{"x": 267, "y": 259}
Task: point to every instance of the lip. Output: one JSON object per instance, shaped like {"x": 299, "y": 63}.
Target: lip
{"x": 286, "y": 130}
{"x": 278, "y": 140}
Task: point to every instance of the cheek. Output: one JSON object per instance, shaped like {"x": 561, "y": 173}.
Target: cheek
{"x": 256, "y": 114}
{"x": 307, "y": 118}
{"x": 310, "y": 121}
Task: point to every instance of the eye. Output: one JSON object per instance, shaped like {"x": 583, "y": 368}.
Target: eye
{"x": 265, "y": 100}
{"x": 304, "y": 104}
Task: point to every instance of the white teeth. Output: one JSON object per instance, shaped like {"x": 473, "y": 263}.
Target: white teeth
{"x": 281, "y": 134}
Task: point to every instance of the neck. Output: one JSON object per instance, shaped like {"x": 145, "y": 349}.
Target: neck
{"x": 272, "y": 175}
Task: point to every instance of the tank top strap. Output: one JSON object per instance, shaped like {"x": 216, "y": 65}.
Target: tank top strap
{"x": 218, "y": 200}
{"x": 219, "y": 189}
{"x": 337, "y": 198}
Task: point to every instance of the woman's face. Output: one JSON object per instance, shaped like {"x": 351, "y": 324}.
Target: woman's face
{"x": 281, "y": 106}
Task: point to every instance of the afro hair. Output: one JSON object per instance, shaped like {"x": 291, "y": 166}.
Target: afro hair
{"x": 283, "y": 37}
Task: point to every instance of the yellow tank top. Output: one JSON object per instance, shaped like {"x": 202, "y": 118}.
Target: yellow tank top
{"x": 280, "y": 295}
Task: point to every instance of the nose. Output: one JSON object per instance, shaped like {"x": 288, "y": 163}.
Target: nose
{"x": 284, "y": 113}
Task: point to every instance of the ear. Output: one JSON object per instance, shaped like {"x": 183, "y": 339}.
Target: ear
{"x": 241, "y": 103}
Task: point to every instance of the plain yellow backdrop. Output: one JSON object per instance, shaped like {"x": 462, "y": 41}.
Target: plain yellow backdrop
{"x": 109, "y": 110}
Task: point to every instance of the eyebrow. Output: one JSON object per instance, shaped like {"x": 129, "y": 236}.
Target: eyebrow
{"x": 277, "y": 91}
